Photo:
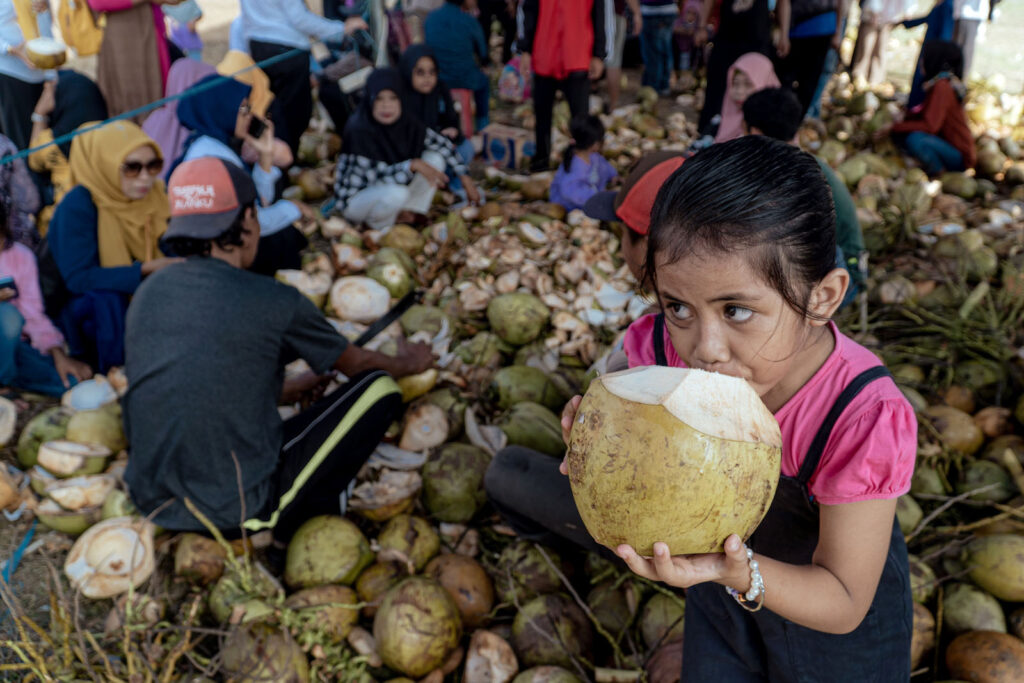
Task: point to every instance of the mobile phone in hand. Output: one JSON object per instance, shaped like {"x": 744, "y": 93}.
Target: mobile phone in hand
{"x": 7, "y": 283}
{"x": 257, "y": 126}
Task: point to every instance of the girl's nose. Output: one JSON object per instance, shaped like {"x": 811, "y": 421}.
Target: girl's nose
{"x": 712, "y": 348}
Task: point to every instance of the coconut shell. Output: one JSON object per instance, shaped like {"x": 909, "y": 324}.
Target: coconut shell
{"x": 978, "y": 474}
{"x": 641, "y": 475}
{"x": 326, "y": 549}
{"x": 111, "y": 557}
{"x": 70, "y": 459}
{"x": 46, "y": 53}
{"x": 467, "y": 583}
{"x": 546, "y": 674}
{"x": 376, "y": 581}
{"x": 909, "y": 513}
{"x": 517, "y": 383}
{"x": 416, "y": 627}
{"x": 922, "y": 580}
{"x": 78, "y": 493}
{"x": 662, "y": 619}
{"x": 530, "y": 573}
{"x": 956, "y": 429}
{"x": 614, "y": 606}
{"x": 71, "y": 523}
{"x": 986, "y": 657}
{"x": 518, "y": 318}
{"x": 551, "y": 629}
{"x": 490, "y": 659}
{"x": 997, "y": 564}
{"x": 359, "y": 299}
{"x": 49, "y": 425}
{"x": 533, "y": 426}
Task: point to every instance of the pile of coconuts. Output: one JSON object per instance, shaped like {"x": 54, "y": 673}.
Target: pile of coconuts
{"x": 522, "y": 302}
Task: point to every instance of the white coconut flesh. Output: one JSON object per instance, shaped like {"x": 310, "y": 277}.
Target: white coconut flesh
{"x": 90, "y": 394}
{"x": 8, "y": 419}
{"x": 426, "y": 427}
{"x": 64, "y": 458}
{"x": 46, "y": 53}
{"x": 81, "y": 492}
{"x": 111, "y": 557}
{"x": 359, "y": 299}
{"x": 713, "y": 404}
{"x": 316, "y": 284}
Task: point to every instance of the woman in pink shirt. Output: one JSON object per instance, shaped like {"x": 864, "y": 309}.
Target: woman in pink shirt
{"x": 741, "y": 256}
{"x": 32, "y": 354}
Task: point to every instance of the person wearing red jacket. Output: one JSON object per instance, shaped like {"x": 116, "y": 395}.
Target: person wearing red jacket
{"x": 565, "y": 42}
{"x": 936, "y": 132}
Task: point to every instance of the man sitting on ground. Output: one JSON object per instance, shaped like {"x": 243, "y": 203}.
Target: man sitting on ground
{"x": 207, "y": 343}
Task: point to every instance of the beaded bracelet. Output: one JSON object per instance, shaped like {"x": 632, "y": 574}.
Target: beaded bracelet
{"x": 757, "y": 589}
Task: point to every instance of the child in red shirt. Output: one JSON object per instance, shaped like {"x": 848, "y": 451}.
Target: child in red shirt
{"x": 936, "y": 132}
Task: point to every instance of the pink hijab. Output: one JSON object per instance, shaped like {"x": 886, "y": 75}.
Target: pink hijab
{"x": 162, "y": 125}
{"x": 759, "y": 70}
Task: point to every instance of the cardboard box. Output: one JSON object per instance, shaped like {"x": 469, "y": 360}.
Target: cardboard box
{"x": 507, "y": 147}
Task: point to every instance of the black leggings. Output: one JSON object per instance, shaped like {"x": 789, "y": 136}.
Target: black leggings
{"x": 489, "y": 10}
{"x": 17, "y": 102}
{"x": 324, "y": 448}
{"x": 280, "y": 251}
{"x": 293, "y": 96}
{"x": 535, "y": 499}
{"x": 801, "y": 69}
{"x": 576, "y": 88}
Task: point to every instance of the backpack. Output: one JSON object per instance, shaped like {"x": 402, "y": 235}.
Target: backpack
{"x": 79, "y": 27}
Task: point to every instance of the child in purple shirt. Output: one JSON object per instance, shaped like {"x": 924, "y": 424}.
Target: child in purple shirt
{"x": 583, "y": 171}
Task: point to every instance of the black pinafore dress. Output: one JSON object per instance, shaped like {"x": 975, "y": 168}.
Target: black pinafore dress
{"x": 723, "y": 643}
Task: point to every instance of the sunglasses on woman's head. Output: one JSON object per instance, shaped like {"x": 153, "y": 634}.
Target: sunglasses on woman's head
{"x": 132, "y": 169}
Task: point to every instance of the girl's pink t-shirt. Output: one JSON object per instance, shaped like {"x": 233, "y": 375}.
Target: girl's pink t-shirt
{"x": 873, "y": 446}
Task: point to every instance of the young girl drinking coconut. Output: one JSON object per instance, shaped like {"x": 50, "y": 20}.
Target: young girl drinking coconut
{"x": 741, "y": 256}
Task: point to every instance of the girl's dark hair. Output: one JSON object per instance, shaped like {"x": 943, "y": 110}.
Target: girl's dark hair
{"x": 941, "y": 55}
{"x": 586, "y": 130}
{"x": 750, "y": 193}
{"x": 190, "y": 246}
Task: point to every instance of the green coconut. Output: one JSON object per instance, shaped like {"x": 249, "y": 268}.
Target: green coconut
{"x": 395, "y": 256}
{"x": 453, "y": 482}
{"x": 517, "y": 383}
{"x": 996, "y": 564}
{"x": 662, "y": 619}
{"x": 927, "y": 480}
{"x": 966, "y": 608}
{"x": 909, "y": 513}
{"x": 530, "y": 573}
{"x": 546, "y": 674}
{"x": 429, "y": 319}
{"x": 518, "y": 318}
{"x": 922, "y": 580}
{"x": 533, "y": 426}
{"x": 832, "y": 152}
{"x": 375, "y": 581}
{"x": 959, "y": 184}
{"x": 326, "y": 549}
{"x": 681, "y": 456}
{"x": 485, "y": 349}
{"x": 102, "y": 426}
{"x": 200, "y": 560}
{"x": 977, "y": 374}
{"x": 395, "y": 279}
{"x": 413, "y": 537}
{"x": 230, "y": 590}
{"x": 68, "y": 522}
{"x": 852, "y": 170}
{"x": 331, "y": 609}
{"x": 416, "y": 627}
{"x": 405, "y": 238}
{"x": 453, "y": 405}
{"x": 49, "y": 425}
{"x": 551, "y": 629}
{"x": 264, "y": 653}
{"x": 119, "y": 504}
{"x": 982, "y": 473}
{"x": 614, "y": 606}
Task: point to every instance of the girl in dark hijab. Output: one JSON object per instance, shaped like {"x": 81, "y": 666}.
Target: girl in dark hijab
{"x": 429, "y": 100}
{"x": 390, "y": 161}
{"x": 65, "y": 105}
{"x": 219, "y": 119}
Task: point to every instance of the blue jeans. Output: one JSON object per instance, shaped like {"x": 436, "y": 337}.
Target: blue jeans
{"x": 22, "y": 366}
{"x": 656, "y": 45}
{"x": 935, "y": 154}
{"x": 93, "y": 324}
{"x": 466, "y": 150}
{"x": 827, "y": 71}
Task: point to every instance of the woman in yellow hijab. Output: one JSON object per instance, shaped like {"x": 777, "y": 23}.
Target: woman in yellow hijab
{"x": 104, "y": 237}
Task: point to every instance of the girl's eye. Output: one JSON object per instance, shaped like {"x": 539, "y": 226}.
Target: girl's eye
{"x": 679, "y": 311}
{"x": 738, "y": 314}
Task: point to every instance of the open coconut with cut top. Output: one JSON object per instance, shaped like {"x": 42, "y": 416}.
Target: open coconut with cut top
{"x": 681, "y": 456}
{"x": 64, "y": 458}
{"x": 46, "y": 53}
{"x": 111, "y": 557}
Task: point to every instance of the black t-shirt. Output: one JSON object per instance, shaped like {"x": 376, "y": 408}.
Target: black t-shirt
{"x": 206, "y": 346}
